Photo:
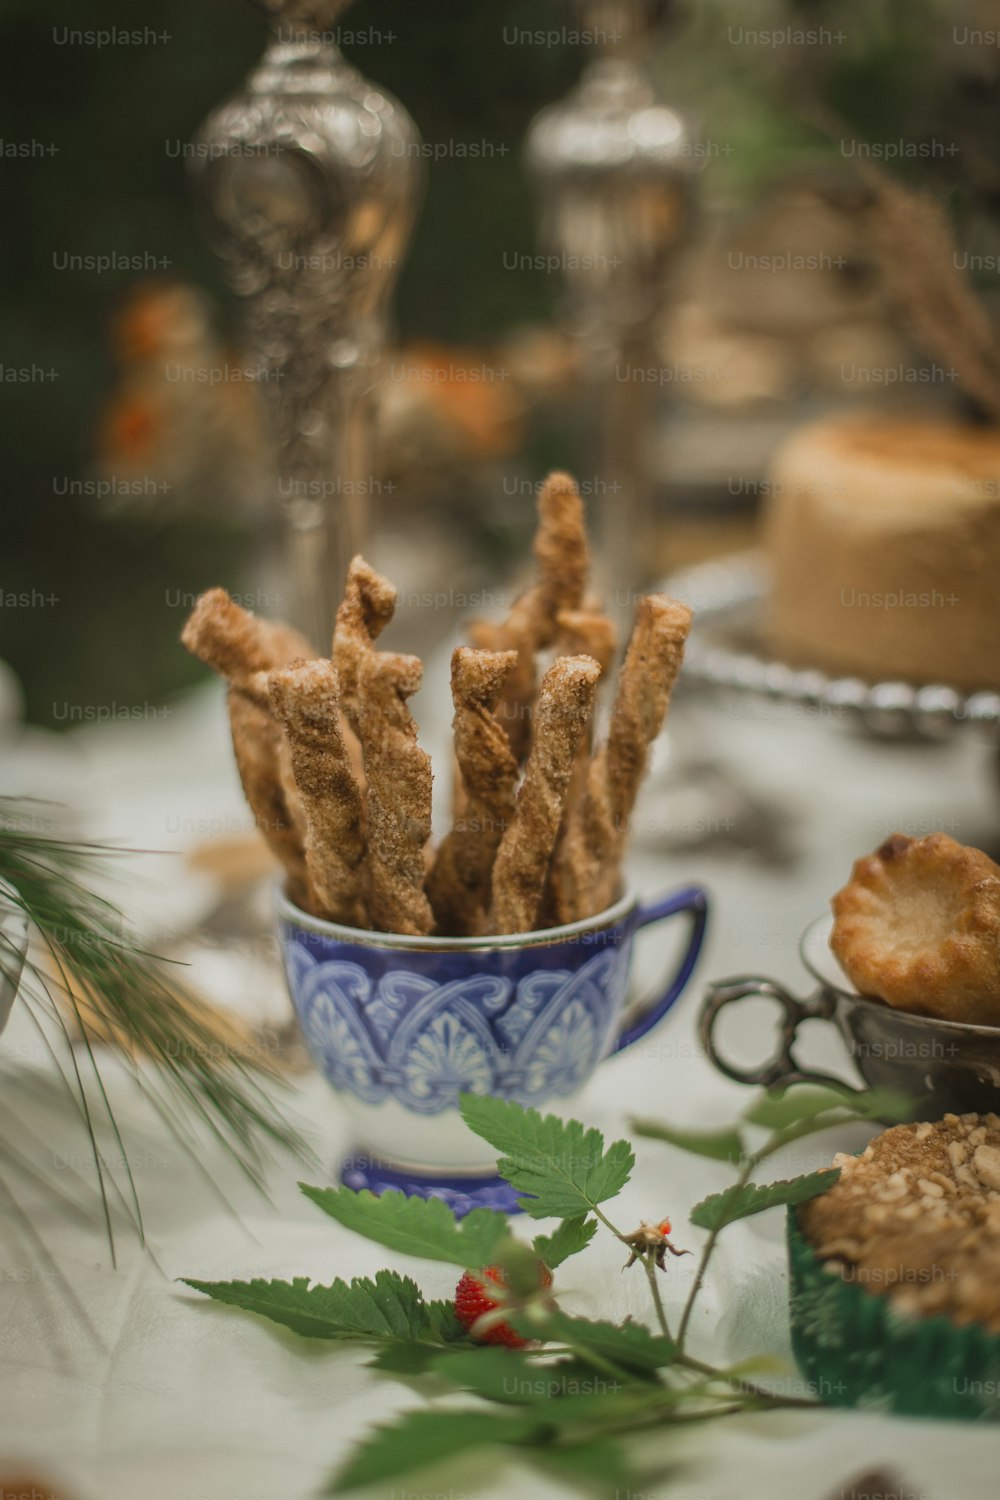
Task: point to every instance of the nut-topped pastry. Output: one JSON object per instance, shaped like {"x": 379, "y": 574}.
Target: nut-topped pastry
{"x": 916, "y": 1218}
{"x": 918, "y": 925}
{"x": 895, "y": 1274}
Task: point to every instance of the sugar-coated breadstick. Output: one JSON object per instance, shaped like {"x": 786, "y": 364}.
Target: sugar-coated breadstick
{"x": 565, "y": 703}
{"x": 398, "y": 773}
{"x": 561, "y": 552}
{"x": 588, "y": 870}
{"x": 257, "y": 749}
{"x": 459, "y": 882}
{"x": 235, "y": 643}
{"x": 587, "y": 632}
{"x": 562, "y": 558}
{"x": 368, "y": 605}
{"x": 583, "y": 632}
{"x": 306, "y": 701}
{"x": 331, "y": 765}
{"x": 242, "y": 649}
{"x": 513, "y": 711}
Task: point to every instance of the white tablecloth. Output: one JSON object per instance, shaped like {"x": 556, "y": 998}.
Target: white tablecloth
{"x": 170, "y": 1396}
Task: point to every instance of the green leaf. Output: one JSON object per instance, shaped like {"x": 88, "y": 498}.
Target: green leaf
{"x": 630, "y": 1346}
{"x": 719, "y": 1145}
{"x": 562, "y": 1168}
{"x": 389, "y": 1308}
{"x": 416, "y": 1226}
{"x": 403, "y": 1359}
{"x": 420, "y": 1438}
{"x": 567, "y": 1387}
{"x": 799, "y": 1104}
{"x": 496, "y": 1374}
{"x": 572, "y": 1236}
{"x": 601, "y": 1464}
{"x": 739, "y": 1202}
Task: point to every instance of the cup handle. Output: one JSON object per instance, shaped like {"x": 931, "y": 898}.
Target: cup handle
{"x": 781, "y": 1070}
{"x": 693, "y": 900}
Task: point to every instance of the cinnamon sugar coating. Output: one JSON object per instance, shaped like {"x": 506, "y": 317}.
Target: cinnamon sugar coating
{"x": 916, "y": 1218}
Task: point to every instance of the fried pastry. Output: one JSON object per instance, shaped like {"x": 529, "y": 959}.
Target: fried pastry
{"x": 242, "y": 648}
{"x": 329, "y": 756}
{"x": 399, "y": 794}
{"x": 916, "y": 1217}
{"x": 561, "y": 553}
{"x": 918, "y": 925}
{"x": 565, "y": 703}
{"x": 587, "y": 871}
{"x": 459, "y": 882}
{"x": 306, "y": 701}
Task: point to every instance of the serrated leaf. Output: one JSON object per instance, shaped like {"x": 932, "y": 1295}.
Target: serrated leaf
{"x": 739, "y": 1202}
{"x": 630, "y": 1346}
{"x": 563, "y": 1168}
{"x": 572, "y": 1236}
{"x": 443, "y": 1322}
{"x": 412, "y": 1358}
{"x": 802, "y": 1103}
{"x": 389, "y": 1308}
{"x": 415, "y": 1226}
{"x": 421, "y": 1438}
{"x": 718, "y": 1145}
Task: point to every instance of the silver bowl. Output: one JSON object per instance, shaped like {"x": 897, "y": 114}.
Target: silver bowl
{"x": 941, "y": 1065}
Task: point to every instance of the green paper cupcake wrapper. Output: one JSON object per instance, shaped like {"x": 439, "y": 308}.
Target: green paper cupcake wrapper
{"x": 854, "y": 1349}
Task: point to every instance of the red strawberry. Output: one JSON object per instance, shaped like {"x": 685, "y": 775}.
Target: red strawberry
{"x": 472, "y": 1300}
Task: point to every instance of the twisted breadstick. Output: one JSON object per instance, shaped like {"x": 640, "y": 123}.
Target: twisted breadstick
{"x": 306, "y": 701}
{"x": 459, "y": 882}
{"x": 236, "y": 644}
{"x": 565, "y": 702}
{"x": 560, "y": 549}
{"x": 581, "y": 633}
{"x": 242, "y": 649}
{"x": 587, "y": 632}
{"x": 368, "y": 605}
{"x": 513, "y": 709}
{"x": 398, "y": 773}
{"x": 588, "y": 872}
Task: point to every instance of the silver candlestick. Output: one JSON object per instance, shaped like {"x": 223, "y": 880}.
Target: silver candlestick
{"x": 614, "y": 168}
{"x": 312, "y": 177}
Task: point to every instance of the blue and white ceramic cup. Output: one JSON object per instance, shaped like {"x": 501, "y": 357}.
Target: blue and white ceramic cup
{"x": 401, "y": 1026}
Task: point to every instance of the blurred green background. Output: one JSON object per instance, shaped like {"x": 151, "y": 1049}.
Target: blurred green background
{"x": 112, "y": 186}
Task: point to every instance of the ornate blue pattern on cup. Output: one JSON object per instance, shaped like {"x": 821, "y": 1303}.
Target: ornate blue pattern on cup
{"x": 400, "y": 1027}
{"x": 402, "y": 1035}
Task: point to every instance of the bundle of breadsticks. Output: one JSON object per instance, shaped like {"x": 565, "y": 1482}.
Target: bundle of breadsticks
{"x": 329, "y": 759}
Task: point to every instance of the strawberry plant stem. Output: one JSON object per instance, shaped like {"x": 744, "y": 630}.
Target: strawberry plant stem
{"x": 706, "y": 1255}
{"x": 661, "y": 1317}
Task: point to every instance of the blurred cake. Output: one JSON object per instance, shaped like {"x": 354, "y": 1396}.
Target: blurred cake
{"x": 884, "y": 540}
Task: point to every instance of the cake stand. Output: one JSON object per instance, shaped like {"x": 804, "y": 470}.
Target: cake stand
{"x": 726, "y": 650}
